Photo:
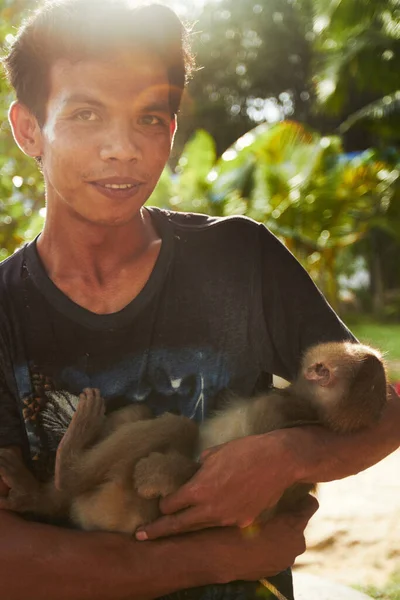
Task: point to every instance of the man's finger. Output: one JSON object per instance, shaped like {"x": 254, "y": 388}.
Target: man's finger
{"x": 303, "y": 512}
{"x": 191, "y": 519}
{"x": 179, "y": 500}
{"x": 208, "y": 452}
{"x": 4, "y": 503}
{"x": 5, "y": 481}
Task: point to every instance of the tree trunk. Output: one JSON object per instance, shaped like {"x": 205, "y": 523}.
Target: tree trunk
{"x": 377, "y": 283}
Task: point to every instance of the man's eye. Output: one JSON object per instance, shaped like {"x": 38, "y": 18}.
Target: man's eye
{"x": 151, "y": 120}
{"x": 86, "y": 115}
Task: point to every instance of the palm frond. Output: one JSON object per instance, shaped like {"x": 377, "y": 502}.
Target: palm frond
{"x": 350, "y": 13}
{"x": 380, "y": 109}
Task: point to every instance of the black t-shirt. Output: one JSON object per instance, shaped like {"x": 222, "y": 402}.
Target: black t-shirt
{"x": 225, "y": 307}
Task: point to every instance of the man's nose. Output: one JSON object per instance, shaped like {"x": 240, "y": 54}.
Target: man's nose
{"x": 122, "y": 143}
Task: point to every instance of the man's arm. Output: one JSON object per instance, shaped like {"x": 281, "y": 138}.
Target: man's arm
{"x": 242, "y": 478}
{"x": 52, "y": 562}
{"x": 326, "y": 456}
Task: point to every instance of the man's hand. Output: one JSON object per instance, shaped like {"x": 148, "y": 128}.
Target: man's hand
{"x": 236, "y": 482}
{"x": 4, "y": 485}
{"x": 259, "y": 551}
{"x": 4, "y": 489}
{"x": 263, "y": 551}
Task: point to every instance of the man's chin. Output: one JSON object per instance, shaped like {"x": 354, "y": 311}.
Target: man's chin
{"x": 109, "y": 218}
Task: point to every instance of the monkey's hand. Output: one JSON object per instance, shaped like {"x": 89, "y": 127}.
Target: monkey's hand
{"x": 23, "y": 485}
{"x": 159, "y": 474}
{"x": 235, "y": 484}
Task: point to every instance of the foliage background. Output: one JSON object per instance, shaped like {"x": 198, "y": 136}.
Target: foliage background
{"x": 291, "y": 119}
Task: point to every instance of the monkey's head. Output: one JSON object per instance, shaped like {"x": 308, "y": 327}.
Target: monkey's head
{"x": 346, "y": 381}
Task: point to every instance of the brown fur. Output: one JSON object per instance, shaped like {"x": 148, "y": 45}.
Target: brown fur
{"x": 112, "y": 470}
{"x": 94, "y": 482}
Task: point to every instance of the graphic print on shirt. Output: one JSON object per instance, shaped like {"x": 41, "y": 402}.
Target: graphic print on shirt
{"x": 184, "y": 381}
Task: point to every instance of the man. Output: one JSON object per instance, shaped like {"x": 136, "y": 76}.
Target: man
{"x": 152, "y": 306}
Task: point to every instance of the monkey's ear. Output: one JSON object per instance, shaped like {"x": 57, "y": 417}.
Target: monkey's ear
{"x": 320, "y": 373}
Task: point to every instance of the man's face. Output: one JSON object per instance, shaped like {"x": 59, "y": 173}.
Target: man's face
{"x": 107, "y": 135}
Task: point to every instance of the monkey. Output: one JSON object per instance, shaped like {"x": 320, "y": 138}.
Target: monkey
{"x": 340, "y": 385}
{"x": 93, "y": 484}
{"x": 112, "y": 470}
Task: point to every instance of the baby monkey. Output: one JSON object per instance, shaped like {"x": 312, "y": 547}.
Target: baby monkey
{"x": 94, "y": 483}
{"x": 111, "y": 470}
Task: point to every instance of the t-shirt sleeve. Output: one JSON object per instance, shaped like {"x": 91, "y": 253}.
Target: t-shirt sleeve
{"x": 296, "y": 314}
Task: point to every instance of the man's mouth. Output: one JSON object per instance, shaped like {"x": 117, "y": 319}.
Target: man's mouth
{"x": 118, "y": 187}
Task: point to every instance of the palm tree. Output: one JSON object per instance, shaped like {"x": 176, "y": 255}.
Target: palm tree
{"x": 358, "y": 49}
{"x": 296, "y": 182}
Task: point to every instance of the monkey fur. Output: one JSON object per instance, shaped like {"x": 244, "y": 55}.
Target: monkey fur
{"x": 94, "y": 483}
{"x": 112, "y": 470}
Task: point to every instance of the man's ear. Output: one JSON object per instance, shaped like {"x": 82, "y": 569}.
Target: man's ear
{"x": 26, "y": 130}
{"x": 173, "y": 126}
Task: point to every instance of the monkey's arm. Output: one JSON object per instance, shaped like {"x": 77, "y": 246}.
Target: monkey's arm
{"x": 75, "y": 565}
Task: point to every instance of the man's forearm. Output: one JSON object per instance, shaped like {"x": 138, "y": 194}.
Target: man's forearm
{"x": 320, "y": 455}
{"x": 51, "y": 562}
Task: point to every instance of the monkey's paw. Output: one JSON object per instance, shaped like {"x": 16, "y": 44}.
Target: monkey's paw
{"x": 152, "y": 478}
{"x": 90, "y": 405}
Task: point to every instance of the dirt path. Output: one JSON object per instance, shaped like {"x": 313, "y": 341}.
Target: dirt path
{"x": 355, "y": 536}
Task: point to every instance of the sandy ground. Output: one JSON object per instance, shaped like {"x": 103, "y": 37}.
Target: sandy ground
{"x": 355, "y": 536}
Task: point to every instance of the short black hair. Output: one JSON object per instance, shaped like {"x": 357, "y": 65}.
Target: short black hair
{"x": 84, "y": 29}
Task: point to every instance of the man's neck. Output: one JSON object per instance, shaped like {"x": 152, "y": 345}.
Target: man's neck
{"x": 93, "y": 251}
{"x": 100, "y": 268}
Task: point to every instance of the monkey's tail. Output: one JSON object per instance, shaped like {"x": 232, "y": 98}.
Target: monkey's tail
{"x": 272, "y": 589}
